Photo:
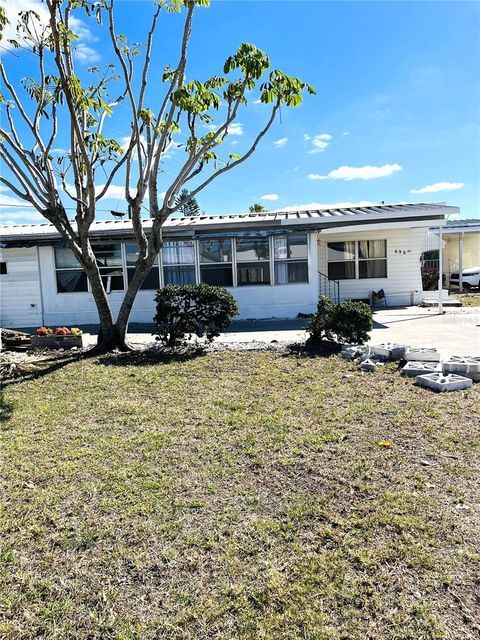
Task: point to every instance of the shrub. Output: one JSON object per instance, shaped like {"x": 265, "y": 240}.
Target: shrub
{"x": 345, "y": 322}
{"x": 186, "y": 310}
{"x": 430, "y": 278}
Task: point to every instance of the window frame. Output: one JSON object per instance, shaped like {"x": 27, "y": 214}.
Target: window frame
{"x": 228, "y": 263}
{"x": 357, "y": 260}
{"x": 268, "y": 261}
{"x": 291, "y": 260}
{"x": 194, "y": 264}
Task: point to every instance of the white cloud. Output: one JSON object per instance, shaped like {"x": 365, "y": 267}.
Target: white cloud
{"x": 20, "y": 216}
{"x": 306, "y": 137}
{"x": 319, "y": 143}
{"x": 83, "y": 53}
{"x": 235, "y": 129}
{"x": 234, "y": 142}
{"x": 257, "y": 101}
{"x": 358, "y": 173}
{"x": 345, "y": 133}
{"x": 269, "y": 196}
{"x": 281, "y": 142}
{"x": 332, "y": 205}
{"x": 439, "y": 186}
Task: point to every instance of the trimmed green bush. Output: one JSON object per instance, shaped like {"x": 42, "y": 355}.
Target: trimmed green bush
{"x": 192, "y": 309}
{"x": 345, "y": 322}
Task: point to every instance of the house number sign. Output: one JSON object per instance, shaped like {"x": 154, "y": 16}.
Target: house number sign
{"x": 403, "y": 252}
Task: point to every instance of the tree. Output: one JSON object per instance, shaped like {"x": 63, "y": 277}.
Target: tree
{"x": 256, "y": 208}
{"x": 86, "y": 109}
{"x": 187, "y": 204}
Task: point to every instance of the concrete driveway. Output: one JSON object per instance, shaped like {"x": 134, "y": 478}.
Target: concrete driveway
{"x": 454, "y": 333}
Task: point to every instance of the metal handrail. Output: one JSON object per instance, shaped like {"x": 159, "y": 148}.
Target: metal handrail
{"x": 328, "y": 288}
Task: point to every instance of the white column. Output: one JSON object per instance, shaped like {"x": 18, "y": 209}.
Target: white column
{"x": 460, "y": 261}
{"x": 440, "y": 271}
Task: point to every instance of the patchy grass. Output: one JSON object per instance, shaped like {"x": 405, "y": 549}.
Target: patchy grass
{"x": 238, "y": 496}
{"x": 470, "y": 299}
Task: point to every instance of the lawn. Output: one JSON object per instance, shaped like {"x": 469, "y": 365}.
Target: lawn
{"x": 238, "y": 496}
{"x": 471, "y": 299}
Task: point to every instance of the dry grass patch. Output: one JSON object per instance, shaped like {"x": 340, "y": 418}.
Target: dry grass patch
{"x": 238, "y": 495}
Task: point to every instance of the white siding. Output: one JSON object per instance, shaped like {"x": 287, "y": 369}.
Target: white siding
{"x": 20, "y": 299}
{"x": 276, "y": 301}
{"x": 403, "y": 284}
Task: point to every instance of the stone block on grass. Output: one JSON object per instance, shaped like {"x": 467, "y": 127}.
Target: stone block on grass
{"x": 441, "y": 382}
{"x": 417, "y": 368}
{"x": 467, "y": 366}
{"x": 422, "y": 354}
{"x": 389, "y": 350}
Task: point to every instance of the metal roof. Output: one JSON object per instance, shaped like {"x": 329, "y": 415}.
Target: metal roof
{"x": 305, "y": 218}
{"x": 462, "y": 226}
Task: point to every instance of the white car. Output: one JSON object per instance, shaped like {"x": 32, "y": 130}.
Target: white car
{"x": 470, "y": 278}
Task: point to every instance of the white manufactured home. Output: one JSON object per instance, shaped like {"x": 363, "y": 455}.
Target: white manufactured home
{"x": 275, "y": 264}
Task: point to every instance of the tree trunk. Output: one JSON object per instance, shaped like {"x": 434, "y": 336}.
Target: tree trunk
{"x": 111, "y": 336}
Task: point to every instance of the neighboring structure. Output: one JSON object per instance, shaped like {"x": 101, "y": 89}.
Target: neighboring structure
{"x": 460, "y": 244}
{"x": 275, "y": 264}
{"x": 462, "y": 247}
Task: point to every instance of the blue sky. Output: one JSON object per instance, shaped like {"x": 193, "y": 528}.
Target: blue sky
{"x": 395, "y": 118}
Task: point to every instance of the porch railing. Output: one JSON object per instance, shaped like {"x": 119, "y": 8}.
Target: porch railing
{"x": 328, "y": 288}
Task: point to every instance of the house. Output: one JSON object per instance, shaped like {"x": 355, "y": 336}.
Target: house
{"x": 275, "y": 264}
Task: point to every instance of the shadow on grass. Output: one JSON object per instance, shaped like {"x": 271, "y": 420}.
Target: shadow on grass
{"x": 17, "y": 372}
{"x": 151, "y": 356}
{"x": 6, "y": 409}
{"x": 320, "y": 349}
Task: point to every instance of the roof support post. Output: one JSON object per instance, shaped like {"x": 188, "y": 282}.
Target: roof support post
{"x": 440, "y": 270}
{"x": 460, "y": 261}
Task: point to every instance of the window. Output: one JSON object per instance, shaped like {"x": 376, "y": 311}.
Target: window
{"x": 253, "y": 261}
{"x": 341, "y": 260}
{"x": 216, "y": 262}
{"x": 69, "y": 273}
{"x": 152, "y": 280}
{"x": 357, "y": 259}
{"x": 110, "y": 264}
{"x": 3, "y": 268}
{"x": 372, "y": 259}
{"x": 291, "y": 259}
{"x": 178, "y": 262}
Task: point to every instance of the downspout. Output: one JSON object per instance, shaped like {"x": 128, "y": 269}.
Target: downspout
{"x": 40, "y": 285}
{"x": 440, "y": 271}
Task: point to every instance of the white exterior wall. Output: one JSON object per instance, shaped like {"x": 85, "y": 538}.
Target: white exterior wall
{"x": 265, "y": 301}
{"x": 403, "y": 284}
{"x": 20, "y": 299}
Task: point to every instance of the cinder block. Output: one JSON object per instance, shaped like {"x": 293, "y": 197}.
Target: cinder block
{"x": 351, "y": 351}
{"x": 415, "y": 368}
{"x": 468, "y": 366}
{"x": 370, "y": 364}
{"x": 422, "y": 354}
{"x": 440, "y": 382}
{"x": 389, "y": 350}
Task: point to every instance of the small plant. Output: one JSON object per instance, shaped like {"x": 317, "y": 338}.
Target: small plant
{"x": 430, "y": 278}
{"x": 59, "y": 331}
{"x": 186, "y": 310}
{"x": 44, "y": 331}
{"x": 345, "y": 322}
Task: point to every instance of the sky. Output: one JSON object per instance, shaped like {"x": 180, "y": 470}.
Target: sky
{"x": 396, "y": 117}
